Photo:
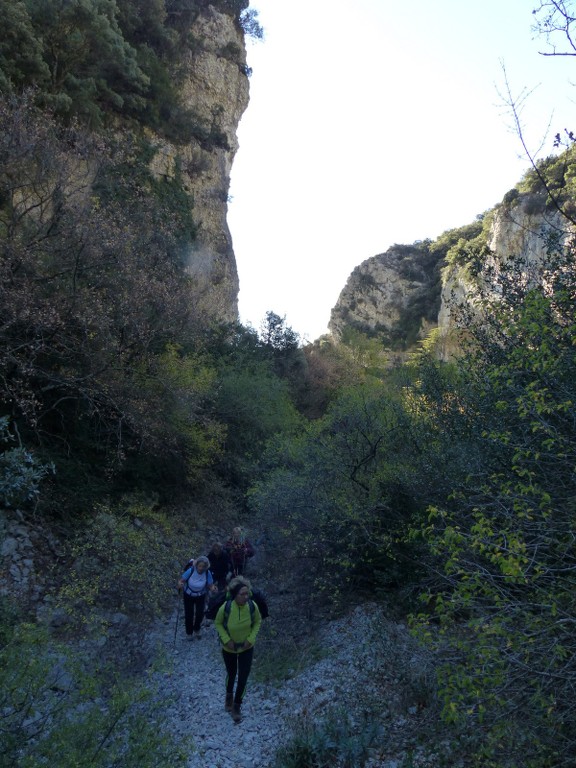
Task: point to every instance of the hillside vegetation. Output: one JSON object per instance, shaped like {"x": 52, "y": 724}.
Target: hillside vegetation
{"x": 132, "y": 430}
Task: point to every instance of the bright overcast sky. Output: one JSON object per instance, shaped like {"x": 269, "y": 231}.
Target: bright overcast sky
{"x": 374, "y": 122}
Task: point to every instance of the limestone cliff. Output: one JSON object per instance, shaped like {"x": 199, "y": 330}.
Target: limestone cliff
{"x": 404, "y": 293}
{"x": 215, "y": 88}
{"x": 519, "y": 233}
{"x": 390, "y": 295}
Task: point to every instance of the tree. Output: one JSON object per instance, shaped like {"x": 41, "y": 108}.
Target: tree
{"x": 337, "y": 489}
{"x": 97, "y": 314}
{"x": 251, "y": 25}
{"x": 505, "y": 534}
{"x": 91, "y": 66}
{"x": 328, "y": 371}
{"x": 276, "y": 335}
{"x": 20, "y": 472}
{"x": 281, "y": 345}
{"x": 90, "y": 59}
{"x": 251, "y": 401}
{"x": 21, "y": 61}
{"x": 553, "y": 19}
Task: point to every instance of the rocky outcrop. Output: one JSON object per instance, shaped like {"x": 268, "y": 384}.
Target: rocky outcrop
{"x": 391, "y": 295}
{"x": 215, "y": 89}
{"x": 374, "y": 295}
{"x": 519, "y": 234}
{"x": 403, "y": 294}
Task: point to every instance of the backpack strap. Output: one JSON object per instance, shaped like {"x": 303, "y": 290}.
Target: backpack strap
{"x": 204, "y": 588}
{"x": 227, "y": 608}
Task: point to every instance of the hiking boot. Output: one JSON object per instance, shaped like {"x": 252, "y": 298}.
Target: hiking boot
{"x": 198, "y": 634}
{"x": 236, "y": 714}
{"x": 229, "y": 702}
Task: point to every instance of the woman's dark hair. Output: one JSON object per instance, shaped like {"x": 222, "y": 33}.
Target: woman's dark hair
{"x": 236, "y": 585}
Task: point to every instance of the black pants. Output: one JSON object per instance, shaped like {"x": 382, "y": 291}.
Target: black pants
{"x": 237, "y": 664}
{"x": 238, "y": 567}
{"x": 220, "y": 582}
{"x": 193, "y": 612}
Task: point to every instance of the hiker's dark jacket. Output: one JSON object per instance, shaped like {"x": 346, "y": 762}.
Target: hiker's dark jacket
{"x": 219, "y": 564}
{"x": 239, "y": 551}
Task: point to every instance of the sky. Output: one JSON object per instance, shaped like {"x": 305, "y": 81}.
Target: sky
{"x": 375, "y": 122}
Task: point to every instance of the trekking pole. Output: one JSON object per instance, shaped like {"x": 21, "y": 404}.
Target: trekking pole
{"x": 177, "y": 615}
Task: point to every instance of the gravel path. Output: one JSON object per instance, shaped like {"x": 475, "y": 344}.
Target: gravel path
{"x": 346, "y": 673}
{"x": 197, "y": 680}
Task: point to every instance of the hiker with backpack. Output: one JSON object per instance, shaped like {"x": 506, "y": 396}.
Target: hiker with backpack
{"x": 219, "y": 598}
{"x": 220, "y": 565}
{"x": 196, "y": 582}
{"x": 240, "y": 550}
{"x": 237, "y": 622}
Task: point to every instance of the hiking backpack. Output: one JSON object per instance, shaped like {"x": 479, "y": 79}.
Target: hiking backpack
{"x": 260, "y": 599}
{"x": 228, "y": 608}
{"x": 191, "y": 564}
{"x": 218, "y": 600}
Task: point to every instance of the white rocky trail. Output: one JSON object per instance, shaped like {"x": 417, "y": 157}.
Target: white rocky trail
{"x": 272, "y": 713}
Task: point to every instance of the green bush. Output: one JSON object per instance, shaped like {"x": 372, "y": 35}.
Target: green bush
{"x": 502, "y": 538}
{"x": 117, "y": 551}
{"x": 334, "y": 742}
{"x": 338, "y": 490}
{"x": 58, "y": 709}
{"x": 20, "y": 472}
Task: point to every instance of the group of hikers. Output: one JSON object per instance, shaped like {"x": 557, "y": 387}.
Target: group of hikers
{"x": 218, "y": 579}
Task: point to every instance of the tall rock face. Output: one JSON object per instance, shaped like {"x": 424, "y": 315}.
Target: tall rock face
{"x": 215, "y": 87}
{"x": 394, "y": 295}
{"x": 521, "y": 234}
{"x": 402, "y": 295}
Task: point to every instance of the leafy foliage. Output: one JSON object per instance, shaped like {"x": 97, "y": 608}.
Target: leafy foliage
{"x": 251, "y": 402}
{"x": 100, "y": 60}
{"x": 504, "y": 536}
{"x": 111, "y": 556}
{"x": 555, "y": 176}
{"x": 94, "y": 303}
{"x": 57, "y": 711}
{"x": 21, "y": 61}
{"x": 337, "y": 491}
{"x": 91, "y": 66}
{"x": 20, "y": 472}
{"x": 468, "y": 470}
{"x": 333, "y": 742}
{"x": 331, "y": 368}
{"x": 250, "y": 24}
{"x": 281, "y": 345}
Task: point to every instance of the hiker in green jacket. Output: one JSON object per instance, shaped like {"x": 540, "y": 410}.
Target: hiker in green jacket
{"x": 237, "y": 623}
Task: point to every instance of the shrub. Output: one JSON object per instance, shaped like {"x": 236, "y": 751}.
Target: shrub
{"x": 20, "y": 472}
{"x": 117, "y": 552}
{"x": 56, "y": 710}
{"x": 503, "y": 537}
{"x": 334, "y": 742}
